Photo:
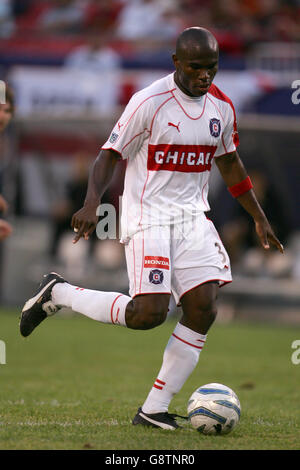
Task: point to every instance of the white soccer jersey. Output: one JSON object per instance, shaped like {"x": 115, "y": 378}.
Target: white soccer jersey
{"x": 169, "y": 141}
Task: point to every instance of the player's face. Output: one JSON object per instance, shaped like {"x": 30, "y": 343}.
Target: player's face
{"x": 196, "y": 71}
{"x": 5, "y": 115}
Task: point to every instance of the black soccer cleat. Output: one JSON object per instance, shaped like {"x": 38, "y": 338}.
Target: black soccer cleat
{"x": 40, "y": 306}
{"x": 162, "y": 420}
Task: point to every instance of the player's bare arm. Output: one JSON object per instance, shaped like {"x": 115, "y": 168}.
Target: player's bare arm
{"x": 5, "y": 229}
{"x": 233, "y": 172}
{"x": 85, "y": 220}
{"x": 3, "y": 204}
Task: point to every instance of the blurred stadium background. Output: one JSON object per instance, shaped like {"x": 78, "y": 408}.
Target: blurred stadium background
{"x": 73, "y": 65}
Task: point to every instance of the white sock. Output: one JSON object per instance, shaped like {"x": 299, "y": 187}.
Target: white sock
{"x": 106, "y": 307}
{"x": 180, "y": 359}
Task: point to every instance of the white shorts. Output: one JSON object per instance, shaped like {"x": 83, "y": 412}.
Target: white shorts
{"x": 175, "y": 259}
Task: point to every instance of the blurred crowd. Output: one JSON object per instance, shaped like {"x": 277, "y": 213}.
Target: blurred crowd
{"x": 236, "y": 23}
{"x": 239, "y": 235}
{"x": 98, "y": 33}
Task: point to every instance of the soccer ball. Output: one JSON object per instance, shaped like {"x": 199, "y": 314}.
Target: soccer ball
{"x": 214, "y": 409}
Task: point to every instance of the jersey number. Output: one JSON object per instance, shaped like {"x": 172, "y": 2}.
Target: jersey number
{"x": 221, "y": 252}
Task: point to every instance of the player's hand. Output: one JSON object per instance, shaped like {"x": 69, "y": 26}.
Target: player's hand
{"x": 5, "y": 229}
{"x": 266, "y": 235}
{"x": 84, "y": 222}
{"x": 3, "y": 204}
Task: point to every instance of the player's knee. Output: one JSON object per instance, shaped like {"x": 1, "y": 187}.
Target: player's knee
{"x": 211, "y": 314}
{"x": 152, "y": 317}
{"x": 149, "y": 313}
{"x": 205, "y": 315}
{"x": 208, "y": 307}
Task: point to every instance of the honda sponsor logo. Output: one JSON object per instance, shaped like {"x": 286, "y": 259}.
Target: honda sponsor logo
{"x": 156, "y": 262}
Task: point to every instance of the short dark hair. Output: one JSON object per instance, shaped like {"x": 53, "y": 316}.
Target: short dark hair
{"x": 195, "y": 35}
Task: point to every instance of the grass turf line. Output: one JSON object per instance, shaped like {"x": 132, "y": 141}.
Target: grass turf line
{"x": 75, "y": 384}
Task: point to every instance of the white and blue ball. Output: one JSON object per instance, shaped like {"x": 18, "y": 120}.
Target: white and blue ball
{"x": 214, "y": 409}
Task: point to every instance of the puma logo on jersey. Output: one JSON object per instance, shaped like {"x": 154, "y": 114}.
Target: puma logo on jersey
{"x": 174, "y": 125}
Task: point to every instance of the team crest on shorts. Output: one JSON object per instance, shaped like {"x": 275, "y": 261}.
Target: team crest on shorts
{"x": 215, "y": 127}
{"x": 156, "y": 276}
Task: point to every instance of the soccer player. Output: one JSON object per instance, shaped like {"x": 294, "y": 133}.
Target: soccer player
{"x": 6, "y": 113}
{"x": 169, "y": 134}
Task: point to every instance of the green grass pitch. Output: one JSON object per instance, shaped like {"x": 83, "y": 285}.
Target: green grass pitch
{"x": 76, "y": 384}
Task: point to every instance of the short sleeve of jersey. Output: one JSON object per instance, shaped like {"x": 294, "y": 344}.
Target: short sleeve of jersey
{"x": 131, "y": 130}
{"x": 229, "y": 139}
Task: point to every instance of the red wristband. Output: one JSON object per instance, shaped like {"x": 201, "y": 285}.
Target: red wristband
{"x": 240, "y": 188}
